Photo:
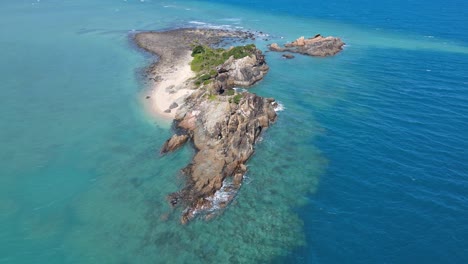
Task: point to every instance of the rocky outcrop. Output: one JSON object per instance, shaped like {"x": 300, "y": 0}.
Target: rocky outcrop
{"x": 241, "y": 72}
{"x": 315, "y": 46}
{"x": 224, "y": 134}
{"x": 174, "y": 143}
{"x": 275, "y": 47}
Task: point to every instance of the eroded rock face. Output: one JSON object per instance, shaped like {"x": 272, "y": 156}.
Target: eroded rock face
{"x": 241, "y": 72}
{"x": 224, "y": 134}
{"x": 315, "y": 46}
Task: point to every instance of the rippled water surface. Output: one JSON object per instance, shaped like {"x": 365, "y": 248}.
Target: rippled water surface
{"x": 366, "y": 164}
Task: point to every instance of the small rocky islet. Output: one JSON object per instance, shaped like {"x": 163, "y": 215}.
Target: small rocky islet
{"x": 315, "y": 46}
{"x": 223, "y": 124}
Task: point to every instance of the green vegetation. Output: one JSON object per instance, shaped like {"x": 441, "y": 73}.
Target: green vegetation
{"x": 204, "y": 77}
{"x": 230, "y": 92}
{"x": 212, "y": 97}
{"x": 213, "y": 72}
{"x": 240, "y": 51}
{"x": 236, "y": 99}
{"x": 197, "y": 50}
{"x": 205, "y": 59}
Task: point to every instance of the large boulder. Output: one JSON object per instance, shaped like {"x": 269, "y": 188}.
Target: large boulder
{"x": 275, "y": 47}
{"x": 175, "y": 142}
{"x": 244, "y": 72}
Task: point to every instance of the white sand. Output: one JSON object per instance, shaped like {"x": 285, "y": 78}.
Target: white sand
{"x": 162, "y": 96}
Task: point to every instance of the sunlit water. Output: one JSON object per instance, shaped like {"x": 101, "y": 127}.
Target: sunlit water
{"x": 366, "y": 164}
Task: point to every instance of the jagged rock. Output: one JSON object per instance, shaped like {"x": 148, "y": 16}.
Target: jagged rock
{"x": 315, "y": 46}
{"x": 275, "y": 47}
{"x": 175, "y": 142}
{"x": 241, "y": 72}
{"x": 173, "y": 105}
{"x": 167, "y": 111}
{"x": 288, "y": 56}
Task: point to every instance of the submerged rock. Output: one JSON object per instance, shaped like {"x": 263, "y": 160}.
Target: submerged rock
{"x": 315, "y": 46}
{"x": 288, "y": 56}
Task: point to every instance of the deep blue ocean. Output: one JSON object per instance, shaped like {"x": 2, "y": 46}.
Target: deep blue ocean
{"x": 367, "y": 163}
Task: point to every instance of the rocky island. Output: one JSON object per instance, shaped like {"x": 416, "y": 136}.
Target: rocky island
{"x": 315, "y": 46}
{"x": 194, "y": 85}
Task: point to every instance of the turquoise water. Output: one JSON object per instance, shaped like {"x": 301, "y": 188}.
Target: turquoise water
{"x": 366, "y": 164}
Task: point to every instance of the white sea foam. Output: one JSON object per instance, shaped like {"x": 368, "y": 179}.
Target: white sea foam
{"x": 228, "y": 27}
{"x": 211, "y": 26}
{"x": 197, "y": 22}
{"x": 222, "y": 196}
{"x": 279, "y": 107}
{"x": 246, "y": 179}
{"x": 239, "y": 90}
{"x": 232, "y": 20}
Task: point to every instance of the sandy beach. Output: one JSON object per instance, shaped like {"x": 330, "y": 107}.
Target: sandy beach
{"x": 170, "y": 75}
{"x": 167, "y": 93}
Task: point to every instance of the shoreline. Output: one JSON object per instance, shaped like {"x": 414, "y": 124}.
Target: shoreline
{"x": 165, "y": 95}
